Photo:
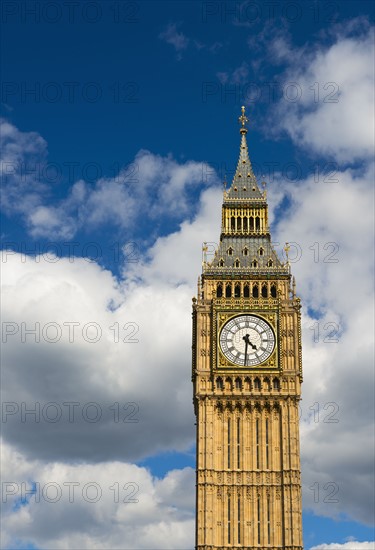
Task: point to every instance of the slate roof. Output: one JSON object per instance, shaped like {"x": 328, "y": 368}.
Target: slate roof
{"x": 245, "y": 250}
{"x": 244, "y": 185}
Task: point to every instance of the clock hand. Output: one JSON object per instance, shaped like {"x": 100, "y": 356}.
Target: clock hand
{"x": 246, "y": 338}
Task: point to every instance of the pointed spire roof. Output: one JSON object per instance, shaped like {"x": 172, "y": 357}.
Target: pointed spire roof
{"x": 245, "y": 249}
{"x": 244, "y": 185}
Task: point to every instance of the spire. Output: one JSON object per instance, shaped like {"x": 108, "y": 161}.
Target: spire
{"x": 245, "y": 241}
{"x": 244, "y": 185}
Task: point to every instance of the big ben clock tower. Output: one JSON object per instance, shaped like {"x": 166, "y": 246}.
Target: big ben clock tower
{"x": 247, "y": 374}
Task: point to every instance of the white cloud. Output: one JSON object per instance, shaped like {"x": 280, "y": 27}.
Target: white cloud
{"x": 105, "y": 371}
{"x": 21, "y": 156}
{"x": 84, "y": 506}
{"x": 174, "y": 37}
{"x": 338, "y": 376}
{"x": 328, "y": 104}
{"x": 332, "y": 226}
{"x": 351, "y": 545}
{"x": 176, "y": 258}
{"x": 161, "y": 184}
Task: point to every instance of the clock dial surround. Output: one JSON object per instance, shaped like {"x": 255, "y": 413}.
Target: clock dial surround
{"x": 247, "y": 340}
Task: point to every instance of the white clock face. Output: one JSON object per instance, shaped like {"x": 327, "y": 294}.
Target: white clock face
{"x": 247, "y": 340}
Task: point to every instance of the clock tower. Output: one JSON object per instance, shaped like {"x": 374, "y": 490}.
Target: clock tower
{"x": 247, "y": 374}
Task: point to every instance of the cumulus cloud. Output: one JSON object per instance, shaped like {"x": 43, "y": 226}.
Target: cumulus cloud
{"x": 62, "y": 505}
{"x": 329, "y": 108}
{"x": 351, "y": 545}
{"x": 161, "y": 184}
{"x": 94, "y": 342}
{"x": 330, "y": 221}
{"x": 176, "y": 258}
{"x": 99, "y": 403}
{"x": 332, "y": 260}
{"x": 67, "y": 382}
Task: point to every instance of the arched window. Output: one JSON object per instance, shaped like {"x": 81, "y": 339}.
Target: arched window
{"x": 237, "y": 263}
{"x": 247, "y": 383}
{"x": 246, "y": 291}
{"x": 239, "y": 224}
{"x": 245, "y": 251}
{"x": 257, "y": 223}
{"x": 255, "y": 291}
{"x": 254, "y": 263}
{"x": 233, "y": 223}
{"x": 219, "y": 291}
{"x": 221, "y": 263}
{"x": 219, "y": 383}
{"x": 238, "y": 384}
{"x": 276, "y": 384}
{"x": 273, "y": 290}
{"x": 270, "y": 263}
{"x": 228, "y": 290}
{"x": 251, "y": 223}
{"x": 230, "y": 251}
{"x": 245, "y": 224}
{"x": 267, "y": 384}
{"x": 261, "y": 251}
{"x": 257, "y": 384}
{"x": 237, "y": 291}
{"x": 264, "y": 290}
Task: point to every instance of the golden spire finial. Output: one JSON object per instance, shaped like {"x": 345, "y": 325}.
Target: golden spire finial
{"x": 243, "y": 120}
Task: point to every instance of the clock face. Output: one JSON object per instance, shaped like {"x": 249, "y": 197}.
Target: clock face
{"x": 247, "y": 340}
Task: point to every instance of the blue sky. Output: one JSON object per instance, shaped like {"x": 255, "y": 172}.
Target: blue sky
{"x": 119, "y": 124}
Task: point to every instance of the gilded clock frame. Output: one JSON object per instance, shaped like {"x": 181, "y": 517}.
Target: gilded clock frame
{"x": 221, "y": 314}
